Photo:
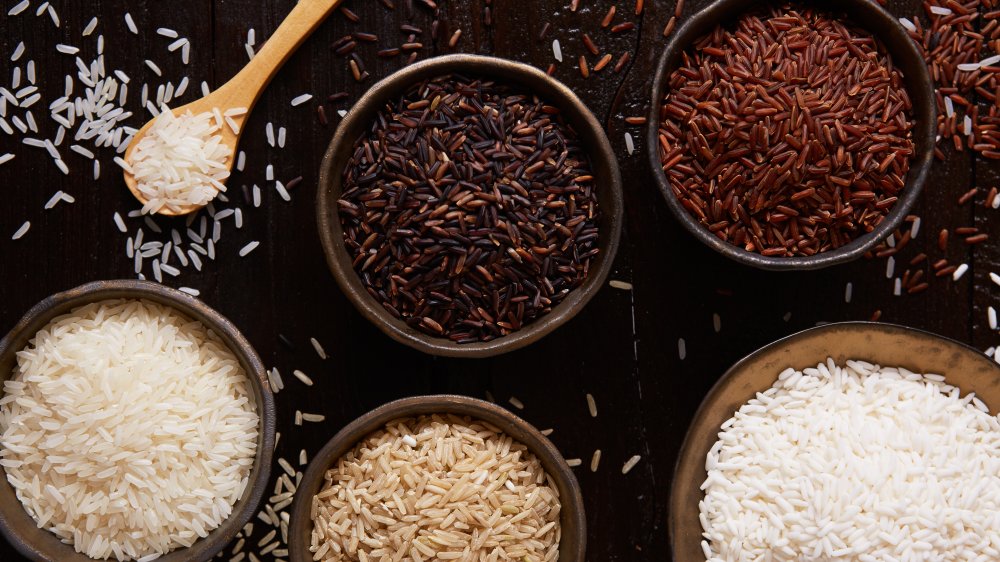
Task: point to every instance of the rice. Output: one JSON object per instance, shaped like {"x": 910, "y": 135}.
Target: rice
{"x": 174, "y": 45}
{"x": 464, "y": 490}
{"x": 595, "y": 460}
{"x": 180, "y": 162}
{"x": 130, "y": 23}
{"x": 962, "y": 269}
{"x": 303, "y": 377}
{"x": 91, "y": 26}
{"x": 128, "y": 430}
{"x": 54, "y": 200}
{"x": 282, "y": 191}
{"x": 19, "y": 7}
{"x": 855, "y": 462}
{"x": 251, "y": 246}
{"x": 630, "y": 463}
{"x": 622, "y": 285}
{"x": 318, "y": 347}
{"x": 301, "y": 99}
{"x": 21, "y": 231}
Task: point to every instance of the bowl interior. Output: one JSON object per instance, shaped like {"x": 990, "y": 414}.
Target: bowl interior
{"x": 595, "y": 142}
{"x": 39, "y": 544}
{"x": 572, "y": 519}
{"x": 884, "y": 344}
{"x": 905, "y": 56}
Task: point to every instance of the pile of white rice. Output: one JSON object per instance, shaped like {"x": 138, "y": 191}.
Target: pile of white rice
{"x": 855, "y": 463}
{"x": 182, "y": 161}
{"x": 437, "y": 488}
{"x": 127, "y": 429}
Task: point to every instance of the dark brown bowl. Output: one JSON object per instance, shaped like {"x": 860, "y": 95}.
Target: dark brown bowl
{"x": 573, "y": 521}
{"x": 41, "y": 545}
{"x": 885, "y": 344}
{"x": 905, "y": 55}
{"x": 595, "y": 142}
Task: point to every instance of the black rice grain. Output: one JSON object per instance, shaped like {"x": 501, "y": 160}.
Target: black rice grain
{"x": 469, "y": 208}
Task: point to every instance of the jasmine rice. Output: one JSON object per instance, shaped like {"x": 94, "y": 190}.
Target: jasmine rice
{"x": 855, "y": 462}
{"x": 127, "y": 430}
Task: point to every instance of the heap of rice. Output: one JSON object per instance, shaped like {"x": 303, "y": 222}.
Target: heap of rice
{"x": 437, "y": 488}
{"x": 855, "y": 463}
{"x": 127, "y": 429}
{"x": 181, "y": 161}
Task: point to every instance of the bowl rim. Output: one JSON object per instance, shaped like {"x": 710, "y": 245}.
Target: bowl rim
{"x": 891, "y": 34}
{"x": 591, "y": 133}
{"x": 728, "y": 378}
{"x": 573, "y": 521}
{"x": 63, "y": 302}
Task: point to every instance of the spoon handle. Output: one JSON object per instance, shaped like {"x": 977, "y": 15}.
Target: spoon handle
{"x": 244, "y": 88}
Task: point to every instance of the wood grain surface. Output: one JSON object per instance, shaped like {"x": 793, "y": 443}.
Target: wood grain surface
{"x": 623, "y": 348}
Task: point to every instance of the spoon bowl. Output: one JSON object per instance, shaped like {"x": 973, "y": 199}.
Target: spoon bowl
{"x": 224, "y": 98}
{"x": 243, "y": 90}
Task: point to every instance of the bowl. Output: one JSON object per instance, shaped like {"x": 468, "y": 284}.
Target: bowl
{"x": 39, "y": 544}
{"x": 572, "y": 518}
{"x": 885, "y": 344}
{"x": 359, "y": 119}
{"x": 905, "y": 55}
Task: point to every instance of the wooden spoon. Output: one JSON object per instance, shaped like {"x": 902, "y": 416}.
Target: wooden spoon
{"x": 245, "y": 88}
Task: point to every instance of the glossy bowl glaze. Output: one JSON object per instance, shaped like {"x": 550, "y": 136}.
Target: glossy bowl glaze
{"x": 884, "y": 344}
{"x": 572, "y": 519}
{"x": 905, "y": 55}
{"x": 41, "y": 545}
{"x": 595, "y": 142}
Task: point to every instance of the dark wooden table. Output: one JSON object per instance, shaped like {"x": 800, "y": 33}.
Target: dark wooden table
{"x": 623, "y": 348}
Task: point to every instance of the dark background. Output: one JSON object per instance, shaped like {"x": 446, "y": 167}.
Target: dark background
{"x": 623, "y": 348}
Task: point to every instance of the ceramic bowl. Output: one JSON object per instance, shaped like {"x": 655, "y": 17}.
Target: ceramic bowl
{"x": 573, "y": 520}
{"x": 41, "y": 545}
{"x": 905, "y": 55}
{"x": 884, "y": 344}
{"x": 360, "y": 117}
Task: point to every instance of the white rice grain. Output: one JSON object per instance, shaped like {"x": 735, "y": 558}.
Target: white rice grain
{"x": 251, "y": 246}
{"x": 960, "y": 272}
{"x": 21, "y": 231}
{"x": 91, "y": 26}
{"x": 301, "y": 99}
{"x": 19, "y": 7}
{"x": 18, "y": 51}
{"x": 130, "y": 23}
